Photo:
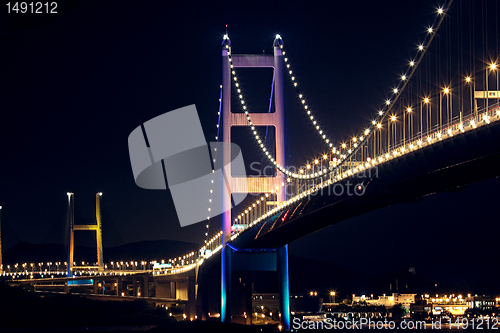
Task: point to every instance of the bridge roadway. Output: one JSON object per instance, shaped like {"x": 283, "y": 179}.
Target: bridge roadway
{"x": 155, "y": 300}
{"x": 169, "y": 289}
{"x": 443, "y": 166}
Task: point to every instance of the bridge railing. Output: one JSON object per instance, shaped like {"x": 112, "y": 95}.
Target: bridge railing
{"x": 457, "y": 125}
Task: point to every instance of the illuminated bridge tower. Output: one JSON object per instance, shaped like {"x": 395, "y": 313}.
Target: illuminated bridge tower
{"x": 73, "y": 227}
{"x": 252, "y": 184}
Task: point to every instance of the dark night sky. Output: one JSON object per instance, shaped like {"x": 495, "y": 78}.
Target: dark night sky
{"x": 73, "y": 88}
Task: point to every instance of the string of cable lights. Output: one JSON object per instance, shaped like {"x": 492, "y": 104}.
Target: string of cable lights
{"x": 345, "y": 153}
{"x": 214, "y": 154}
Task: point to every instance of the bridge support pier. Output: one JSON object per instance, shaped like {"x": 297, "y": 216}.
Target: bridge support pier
{"x": 242, "y": 263}
{"x": 135, "y": 287}
{"x": 119, "y": 286}
{"x": 225, "y": 310}
{"x": 165, "y": 289}
{"x": 242, "y": 298}
{"x": 145, "y": 289}
{"x": 284, "y": 287}
{"x": 95, "y": 286}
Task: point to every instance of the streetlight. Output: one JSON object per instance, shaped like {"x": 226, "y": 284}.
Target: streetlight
{"x": 493, "y": 67}
{"x": 426, "y": 101}
{"x": 332, "y": 293}
{"x": 445, "y": 91}
{"x": 393, "y": 120}
{"x": 408, "y": 109}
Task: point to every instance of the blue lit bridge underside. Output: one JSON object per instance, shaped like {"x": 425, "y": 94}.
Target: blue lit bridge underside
{"x": 443, "y": 166}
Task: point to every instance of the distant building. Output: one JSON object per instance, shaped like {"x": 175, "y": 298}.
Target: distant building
{"x": 387, "y": 301}
{"x": 405, "y": 299}
{"x": 441, "y": 305}
{"x": 419, "y": 309}
{"x": 483, "y": 303}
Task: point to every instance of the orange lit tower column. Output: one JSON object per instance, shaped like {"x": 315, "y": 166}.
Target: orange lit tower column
{"x": 98, "y": 230}
{"x": 96, "y": 227}
{"x": 252, "y": 184}
{"x": 71, "y": 238}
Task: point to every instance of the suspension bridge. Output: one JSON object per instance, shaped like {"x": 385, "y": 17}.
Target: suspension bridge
{"x": 437, "y": 129}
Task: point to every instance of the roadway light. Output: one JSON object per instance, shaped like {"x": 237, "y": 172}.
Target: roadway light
{"x": 467, "y": 79}
{"x": 426, "y": 100}
{"x": 393, "y": 118}
{"x": 493, "y": 66}
{"x": 446, "y": 90}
